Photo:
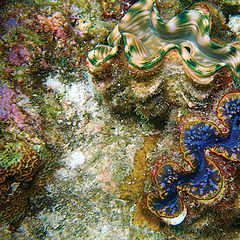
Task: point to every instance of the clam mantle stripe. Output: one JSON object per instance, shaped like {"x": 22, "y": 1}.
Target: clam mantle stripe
{"x": 205, "y": 181}
{"x": 147, "y": 39}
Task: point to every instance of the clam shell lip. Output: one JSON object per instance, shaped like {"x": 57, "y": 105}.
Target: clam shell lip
{"x": 147, "y": 39}
{"x": 176, "y": 220}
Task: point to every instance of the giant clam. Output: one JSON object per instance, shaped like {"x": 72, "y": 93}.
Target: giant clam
{"x": 205, "y": 181}
{"x": 150, "y": 63}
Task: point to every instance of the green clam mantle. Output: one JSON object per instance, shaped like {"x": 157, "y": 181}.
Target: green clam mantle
{"x": 147, "y": 39}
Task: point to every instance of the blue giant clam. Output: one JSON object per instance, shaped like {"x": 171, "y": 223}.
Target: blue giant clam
{"x": 205, "y": 181}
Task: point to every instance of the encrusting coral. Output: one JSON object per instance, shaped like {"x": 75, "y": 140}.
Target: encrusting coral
{"x": 129, "y": 72}
{"x": 205, "y": 181}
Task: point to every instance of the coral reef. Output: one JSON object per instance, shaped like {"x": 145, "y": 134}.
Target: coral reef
{"x": 205, "y": 181}
{"x": 78, "y": 191}
{"x": 35, "y": 40}
{"x": 69, "y": 167}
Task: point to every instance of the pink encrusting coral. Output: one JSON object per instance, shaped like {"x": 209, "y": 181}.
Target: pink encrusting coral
{"x": 54, "y": 24}
{"x": 9, "y": 111}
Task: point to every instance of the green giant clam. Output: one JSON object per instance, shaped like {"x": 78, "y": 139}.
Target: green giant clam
{"x": 150, "y": 63}
{"x": 147, "y": 39}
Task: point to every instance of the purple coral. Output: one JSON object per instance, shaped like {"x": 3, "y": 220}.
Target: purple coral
{"x": 19, "y": 55}
{"x": 9, "y": 24}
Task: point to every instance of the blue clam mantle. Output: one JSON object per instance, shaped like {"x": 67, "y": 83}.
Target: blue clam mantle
{"x": 147, "y": 39}
{"x": 205, "y": 181}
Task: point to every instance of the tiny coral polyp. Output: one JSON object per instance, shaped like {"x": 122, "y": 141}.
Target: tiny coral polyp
{"x": 147, "y": 39}
{"x": 205, "y": 181}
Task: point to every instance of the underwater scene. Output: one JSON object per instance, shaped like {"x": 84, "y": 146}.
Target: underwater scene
{"x": 120, "y": 120}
